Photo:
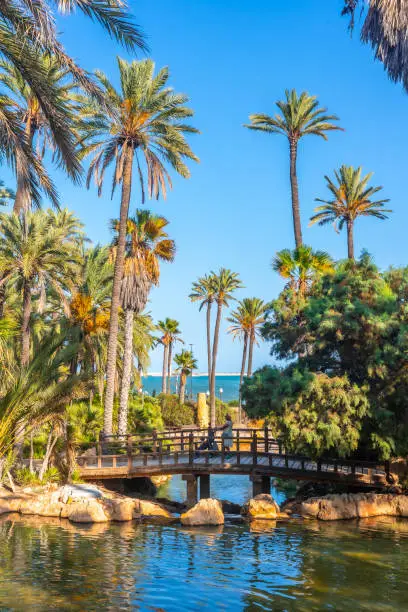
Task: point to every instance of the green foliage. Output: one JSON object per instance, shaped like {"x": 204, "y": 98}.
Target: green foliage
{"x": 51, "y": 475}
{"x": 174, "y": 414}
{"x": 351, "y": 327}
{"x": 86, "y": 421}
{"x": 25, "y": 478}
{"x": 144, "y": 415}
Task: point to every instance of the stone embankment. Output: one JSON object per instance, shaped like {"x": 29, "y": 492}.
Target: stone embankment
{"x": 352, "y": 506}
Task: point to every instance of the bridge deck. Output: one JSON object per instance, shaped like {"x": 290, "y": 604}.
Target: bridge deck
{"x": 253, "y": 452}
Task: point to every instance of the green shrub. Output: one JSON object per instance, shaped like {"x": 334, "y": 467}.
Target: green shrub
{"x": 51, "y": 475}
{"x": 76, "y": 477}
{"x": 25, "y": 478}
{"x": 174, "y": 414}
{"x": 144, "y": 414}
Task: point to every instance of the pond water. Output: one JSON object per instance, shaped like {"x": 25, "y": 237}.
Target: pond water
{"x": 48, "y": 564}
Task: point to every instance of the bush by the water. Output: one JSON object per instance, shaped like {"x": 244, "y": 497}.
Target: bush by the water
{"x": 175, "y": 414}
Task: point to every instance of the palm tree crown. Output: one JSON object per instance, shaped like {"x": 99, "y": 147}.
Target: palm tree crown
{"x": 246, "y": 322}
{"x": 185, "y": 365}
{"x": 145, "y": 116}
{"x": 352, "y": 198}
{"x": 299, "y": 116}
{"x": 301, "y": 266}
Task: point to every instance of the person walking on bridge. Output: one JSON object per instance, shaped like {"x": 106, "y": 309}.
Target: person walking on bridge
{"x": 227, "y": 436}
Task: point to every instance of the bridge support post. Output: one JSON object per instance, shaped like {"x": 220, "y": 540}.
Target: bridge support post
{"x": 192, "y": 489}
{"x": 260, "y": 484}
{"x": 204, "y": 486}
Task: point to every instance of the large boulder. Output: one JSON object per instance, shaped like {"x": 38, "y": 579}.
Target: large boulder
{"x": 206, "y": 512}
{"x": 151, "y": 509}
{"x": 262, "y": 507}
{"x": 119, "y": 509}
{"x": 79, "y": 492}
{"x": 358, "y": 505}
{"x": 10, "y": 504}
{"x": 87, "y": 511}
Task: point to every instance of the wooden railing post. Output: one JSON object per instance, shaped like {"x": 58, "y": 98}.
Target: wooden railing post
{"x": 129, "y": 453}
{"x": 182, "y": 442}
{"x": 99, "y": 450}
{"x": 254, "y": 448}
{"x": 238, "y": 451}
{"x": 266, "y": 439}
{"x": 154, "y": 436}
{"x": 191, "y": 448}
{"x": 222, "y": 451}
{"x": 160, "y": 451}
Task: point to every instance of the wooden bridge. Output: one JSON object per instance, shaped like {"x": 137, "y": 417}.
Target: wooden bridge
{"x": 254, "y": 453}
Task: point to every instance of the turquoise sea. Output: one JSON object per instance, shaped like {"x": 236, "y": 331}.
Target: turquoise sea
{"x": 227, "y": 386}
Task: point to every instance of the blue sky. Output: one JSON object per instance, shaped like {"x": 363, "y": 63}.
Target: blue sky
{"x": 233, "y": 58}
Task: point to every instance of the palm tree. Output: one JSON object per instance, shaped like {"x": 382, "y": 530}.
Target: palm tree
{"x": 300, "y": 116}
{"x": 203, "y": 291}
{"x": 385, "y": 29}
{"x": 186, "y": 364}
{"x": 352, "y": 198}
{"x": 145, "y": 120}
{"x": 36, "y": 124}
{"x": 38, "y": 251}
{"x": 147, "y": 244}
{"x": 225, "y": 283}
{"x": 170, "y": 331}
{"x": 246, "y": 322}
{"x": 301, "y": 267}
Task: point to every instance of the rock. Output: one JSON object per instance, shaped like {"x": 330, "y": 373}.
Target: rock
{"x": 147, "y": 508}
{"x": 262, "y": 506}
{"x": 357, "y": 505}
{"x": 10, "y": 504}
{"x": 41, "y": 506}
{"x": 119, "y": 509}
{"x": 87, "y": 511}
{"x": 79, "y": 492}
{"x": 206, "y": 512}
{"x": 230, "y": 508}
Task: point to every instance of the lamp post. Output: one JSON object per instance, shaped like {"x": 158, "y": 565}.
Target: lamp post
{"x": 191, "y": 375}
{"x": 221, "y": 392}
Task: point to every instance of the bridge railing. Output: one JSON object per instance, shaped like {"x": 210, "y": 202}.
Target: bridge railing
{"x": 255, "y": 448}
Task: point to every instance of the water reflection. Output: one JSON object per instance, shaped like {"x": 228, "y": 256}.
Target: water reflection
{"x": 47, "y": 564}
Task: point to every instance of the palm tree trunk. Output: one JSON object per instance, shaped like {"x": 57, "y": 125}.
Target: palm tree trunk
{"x": 214, "y": 365}
{"x": 209, "y": 341}
{"x": 25, "y": 325}
{"x": 250, "y": 354}
{"x": 169, "y": 360}
{"x": 164, "y": 370}
{"x": 350, "y": 240}
{"x": 295, "y": 192}
{"x": 182, "y": 392}
{"x": 48, "y": 452}
{"x": 2, "y": 299}
{"x": 22, "y": 201}
{"x": 126, "y": 374}
{"x": 244, "y": 356}
{"x": 115, "y": 303}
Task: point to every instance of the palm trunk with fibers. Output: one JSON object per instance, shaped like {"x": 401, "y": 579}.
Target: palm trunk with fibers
{"x": 295, "y": 192}
{"x": 182, "y": 392}
{"x": 126, "y": 373}
{"x": 22, "y": 201}
{"x": 350, "y": 240}
{"x": 209, "y": 341}
{"x": 164, "y": 370}
{"x": 115, "y": 303}
{"x": 244, "y": 356}
{"x": 214, "y": 365}
{"x": 170, "y": 359}
{"x": 51, "y": 442}
{"x": 25, "y": 325}
{"x": 250, "y": 354}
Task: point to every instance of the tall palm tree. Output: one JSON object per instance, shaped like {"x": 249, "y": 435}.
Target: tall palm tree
{"x": 185, "y": 365}
{"x": 143, "y": 122}
{"x": 38, "y": 251}
{"x": 299, "y": 116}
{"x": 225, "y": 283}
{"x": 203, "y": 291}
{"x": 385, "y": 29}
{"x": 352, "y": 198}
{"x": 36, "y": 124}
{"x": 170, "y": 331}
{"x": 246, "y": 322}
{"x": 301, "y": 267}
{"x": 147, "y": 245}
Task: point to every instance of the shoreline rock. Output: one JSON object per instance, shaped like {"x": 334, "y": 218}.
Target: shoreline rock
{"x": 205, "y": 512}
{"x": 354, "y": 506}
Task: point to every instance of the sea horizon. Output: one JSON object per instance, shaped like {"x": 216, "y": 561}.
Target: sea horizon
{"x": 226, "y": 384}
